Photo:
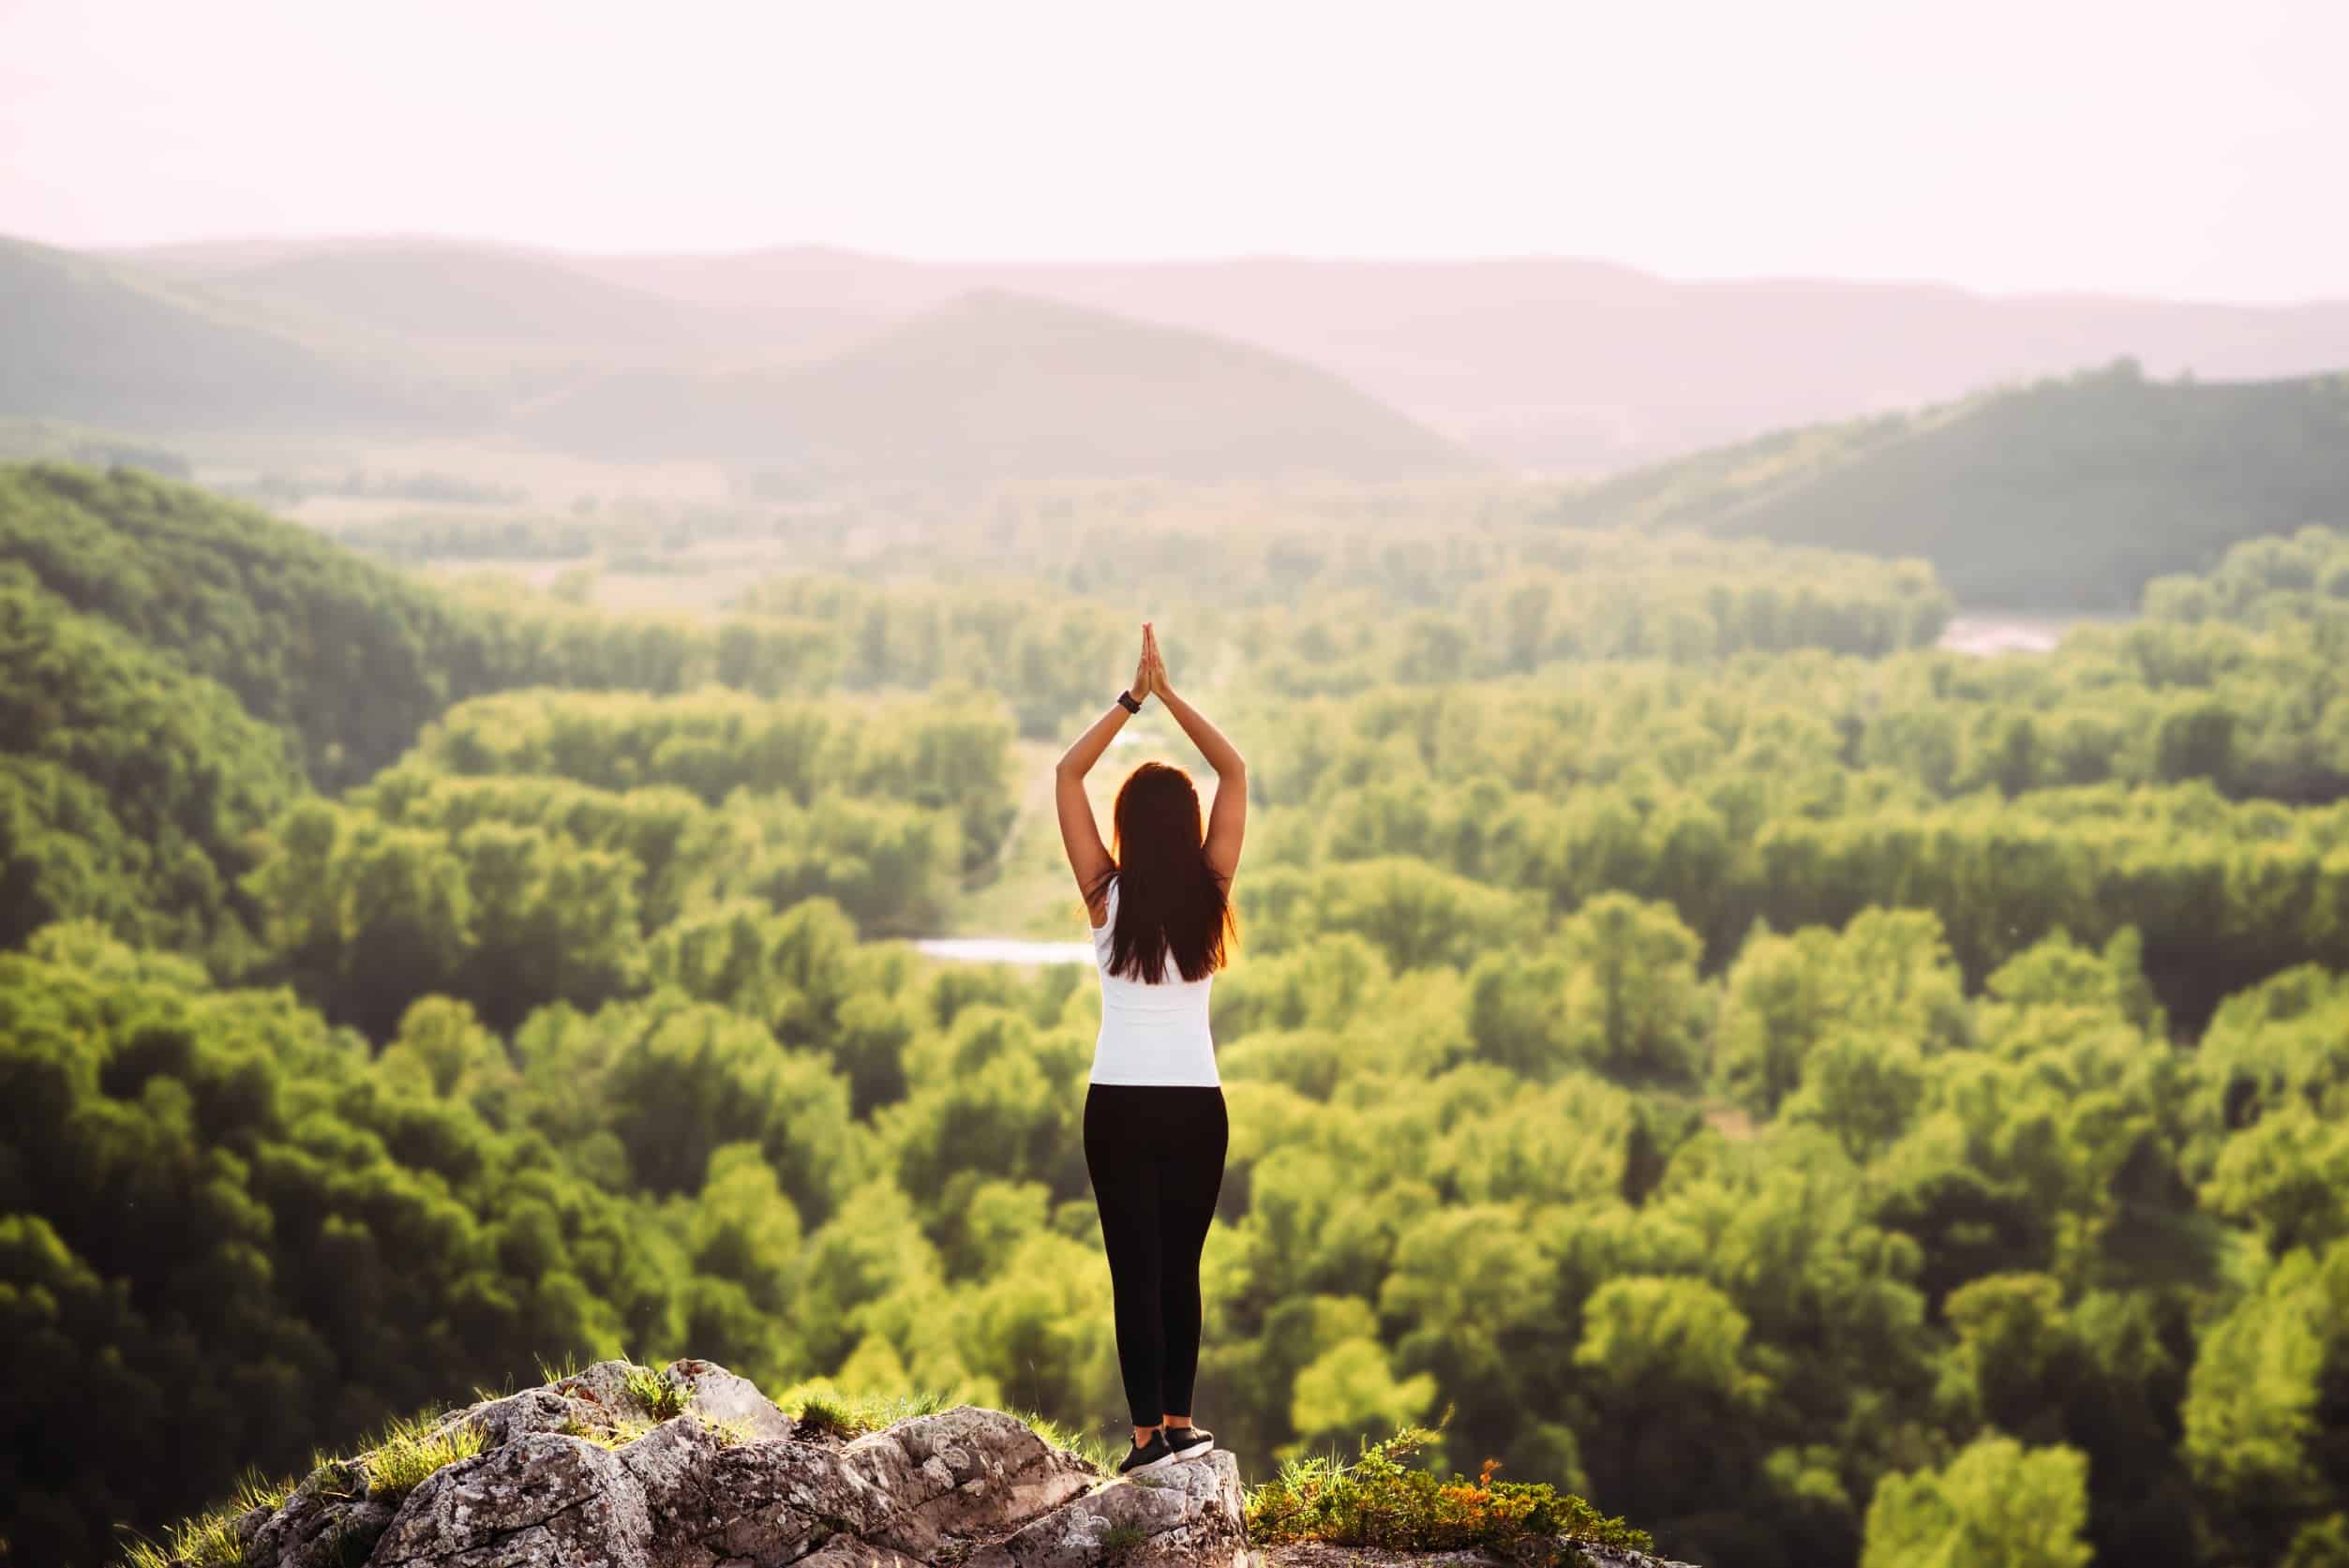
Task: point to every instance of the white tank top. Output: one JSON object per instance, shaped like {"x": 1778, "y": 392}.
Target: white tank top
{"x": 1150, "y": 1034}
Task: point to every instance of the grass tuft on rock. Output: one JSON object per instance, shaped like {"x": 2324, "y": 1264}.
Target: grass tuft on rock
{"x": 1117, "y": 1540}
{"x": 731, "y": 1434}
{"x": 410, "y": 1451}
{"x": 822, "y": 1410}
{"x": 664, "y": 1398}
{"x": 209, "y": 1540}
{"x": 820, "y": 1417}
{"x": 615, "y": 1434}
{"x": 1376, "y": 1500}
{"x": 1089, "y": 1446}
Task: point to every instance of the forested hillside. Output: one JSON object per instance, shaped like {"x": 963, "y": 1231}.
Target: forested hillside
{"x": 2066, "y": 495}
{"x": 1822, "y": 1098}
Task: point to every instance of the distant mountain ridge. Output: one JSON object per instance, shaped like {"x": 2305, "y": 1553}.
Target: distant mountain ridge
{"x": 1559, "y": 366}
{"x": 995, "y": 386}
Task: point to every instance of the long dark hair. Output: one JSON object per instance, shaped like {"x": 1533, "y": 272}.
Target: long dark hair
{"x": 1170, "y": 901}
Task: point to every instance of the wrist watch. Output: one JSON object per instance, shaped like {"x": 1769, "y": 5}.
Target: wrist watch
{"x": 1125, "y": 697}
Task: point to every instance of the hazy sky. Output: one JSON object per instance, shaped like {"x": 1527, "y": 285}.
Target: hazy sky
{"x": 2182, "y": 148}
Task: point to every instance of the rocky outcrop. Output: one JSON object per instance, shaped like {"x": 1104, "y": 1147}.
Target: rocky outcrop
{"x": 617, "y": 1467}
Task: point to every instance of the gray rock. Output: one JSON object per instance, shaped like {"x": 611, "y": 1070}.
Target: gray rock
{"x": 961, "y": 1472}
{"x": 724, "y": 1400}
{"x": 248, "y": 1525}
{"x": 674, "y": 1464}
{"x": 852, "y": 1553}
{"x": 1190, "y": 1512}
{"x": 597, "y": 1402}
{"x": 325, "y": 1522}
{"x": 604, "y": 1387}
{"x": 541, "y": 1500}
{"x": 533, "y": 1409}
{"x": 1612, "y": 1556}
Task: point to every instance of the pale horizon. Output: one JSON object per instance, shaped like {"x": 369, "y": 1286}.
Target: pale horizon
{"x": 2108, "y": 150}
{"x": 362, "y": 239}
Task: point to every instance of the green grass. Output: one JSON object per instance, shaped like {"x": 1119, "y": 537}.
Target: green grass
{"x": 208, "y": 1541}
{"x": 405, "y": 1454}
{"x": 1118, "y": 1539}
{"x": 661, "y": 1398}
{"x": 619, "y": 1434}
{"x": 826, "y": 1418}
{"x": 1375, "y": 1501}
{"x": 410, "y": 1451}
{"x": 731, "y": 1434}
{"x": 392, "y": 1465}
{"x": 1089, "y": 1446}
{"x": 823, "y": 1411}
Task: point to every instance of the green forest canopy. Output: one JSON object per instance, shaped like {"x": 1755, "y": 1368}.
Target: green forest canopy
{"x": 1802, "y": 1089}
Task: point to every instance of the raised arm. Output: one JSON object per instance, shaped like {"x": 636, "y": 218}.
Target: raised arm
{"x": 1080, "y": 835}
{"x": 1227, "y": 818}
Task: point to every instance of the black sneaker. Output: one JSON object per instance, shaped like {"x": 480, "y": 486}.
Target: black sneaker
{"x": 1188, "y": 1442}
{"x": 1148, "y": 1457}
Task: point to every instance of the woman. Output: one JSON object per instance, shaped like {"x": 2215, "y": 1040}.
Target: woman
{"x": 1154, "y": 1123}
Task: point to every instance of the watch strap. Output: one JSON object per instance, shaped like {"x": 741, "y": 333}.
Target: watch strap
{"x": 1127, "y": 700}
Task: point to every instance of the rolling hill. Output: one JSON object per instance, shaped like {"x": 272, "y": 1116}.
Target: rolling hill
{"x": 2066, "y": 494}
{"x": 994, "y": 386}
{"x": 515, "y": 309}
{"x": 92, "y": 340}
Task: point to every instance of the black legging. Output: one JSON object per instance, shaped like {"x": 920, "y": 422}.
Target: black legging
{"x": 1155, "y": 1152}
